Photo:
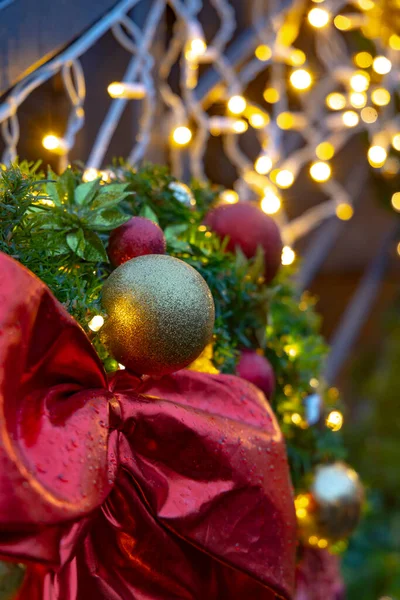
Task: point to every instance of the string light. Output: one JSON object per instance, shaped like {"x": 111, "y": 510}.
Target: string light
{"x": 325, "y": 151}
{"x": 398, "y": 248}
{"x": 369, "y": 114}
{"x": 344, "y": 211}
{"x": 271, "y": 95}
{"x": 196, "y": 45}
{"x": 271, "y": 203}
{"x": 96, "y": 323}
{"x": 377, "y": 156}
{"x": 181, "y": 135}
{"x": 297, "y": 57}
{"x": 342, "y": 22}
{"x": 363, "y": 60}
{"x": 284, "y": 178}
{"x": 314, "y": 382}
{"x": 285, "y": 120}
{"x": 350, "y": 118}
{"x": 132, "y": 91}
{"x": 288, "y": 255}
{"x": 381, "y": 65}
{"x": 229, "y": 197}
{"x": 318, "y": 17}
{"x": 240, "y": 126}
{"x": 263, "y": 52}
{"x": 394, "y": 41}
{"x": 380, "y": 97}
{"x": 90, "y": 174}
{"x": 54, "y": 144}
{"x": 320, "y": 171}
{"x": 358, "y": 99}
{"x": 258, "y": 120}
{"x": 301, "y": 79}
{"x": 237, "y": 105}
{"x": 366, "y": 4}
{"x": 336, "y": 101}
{"x": 396, "y": 141}
{"x": 334, "y": 420}
{"x": 359, "y": 82}
{"x": 263, "y": 164}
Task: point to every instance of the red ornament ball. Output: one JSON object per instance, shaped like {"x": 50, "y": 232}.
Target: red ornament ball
{"x": 258, "y": 370}
{"x": 248, "y": 227}
{"x": 136, "y": 237}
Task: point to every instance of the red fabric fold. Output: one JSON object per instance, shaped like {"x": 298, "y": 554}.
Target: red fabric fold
{"x": 177, "y": 488}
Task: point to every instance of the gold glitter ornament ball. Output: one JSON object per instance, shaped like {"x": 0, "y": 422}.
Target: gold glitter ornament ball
{"x": 332, "y": 509}
{"x": 160, "y": 314}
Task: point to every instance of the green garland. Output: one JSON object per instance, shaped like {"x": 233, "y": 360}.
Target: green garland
{"x": 58, "y": 227}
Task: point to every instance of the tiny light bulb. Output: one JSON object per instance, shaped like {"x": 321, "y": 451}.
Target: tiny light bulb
{"x": 334, "y": 420}
{"x": 394, "y": 41}
{"x": 381, "y": 65}
{"x": 318, "y": 17}
{"x": 380, "y": 97}
{"x": 350, "y": 118}
{"x": 229, "y": 196}
{"x": 285, "y": 120}
{"x": 344, "y": 211}
{"x": 115, "y": 89}
{"x": 131, "y": 91}
{"x": 369, "y": 114}
{"x": 240, "y": 126}
{"x": 52, "y": 142}
{"x": 96, "y": 323}
{"x": 363, "y": 60}
{"x": 297, "y": 57}
{"x": 288, "y": 255}
{"x": 90, "y": 174}
{"x": 263, "y": 52}
{"x": 271, "y": 95}
{"x": 325, "y": 151}
{"x": 301, "y": 79}
{"x": 320, "y": 171}
{"x": 263, "y": 164}
{"x": 284, "y": 178}
{"x": 237, "y": 105}
{"x": 197, "y": 47}
{"x": 377, "y": 156}
{"x": 396, "y": 201}
{"x": 271, "y": 203}
{"x": 336, "y": 101}
{"x": 182, "y": 135}
{"x": 342, "y": 22}
{"x": 358, "y": 99}
{"x": 396, "y": 141}
{"x": 359, "y": 82}
{"x": 258, "y": 120}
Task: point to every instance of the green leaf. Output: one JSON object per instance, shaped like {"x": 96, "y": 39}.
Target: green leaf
{"x": 172, "y": 231}
{"x": 148, "y": 213}
{"x": 52, "y": 189}
{"x": 107, "y": 200}
{"x": 107, "y": 219}
{"x": 114, "y": 188}
{"x": 76, "y": 241}
{"x": 94, "y": 249}
{"x": 85, "y": 192}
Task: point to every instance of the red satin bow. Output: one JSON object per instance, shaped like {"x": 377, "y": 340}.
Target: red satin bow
{"x": 175, "y": 489}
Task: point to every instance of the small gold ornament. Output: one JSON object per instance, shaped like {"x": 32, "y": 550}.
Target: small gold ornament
{"x": 160, "y": 314}
{"x": 331, "y": 510}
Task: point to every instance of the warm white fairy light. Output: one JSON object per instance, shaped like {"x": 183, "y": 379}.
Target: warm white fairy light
{"x": 263, "y": 164}
{"x": 318, "y": 17}
{"x": 54, "y": 143}
{"x": 301, "y": 79}
{"x": 288, "y": 257}
{"x": 270, "y": 203}
{"x": 229, "y": 197}
{"x": 336, "y": 101}
{"x": 96, "y": 323}
{"x": 131, "y": 91}
{"x": 358, "y": 99}
{"x": 381, "y": 65}
{"x": 359, "y": 82}
{"x": 350, "y": 118}
{"x": 320, "y": 171}
{"x": 377, "y": 156}
{"x": 263, "y": 52}
{"x": 237, "y": 105}
{"x": 284, "y": 178}
{"x": 181, "y": 135}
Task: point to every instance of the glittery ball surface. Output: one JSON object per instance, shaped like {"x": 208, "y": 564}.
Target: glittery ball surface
{"x": 160, "y": 314}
